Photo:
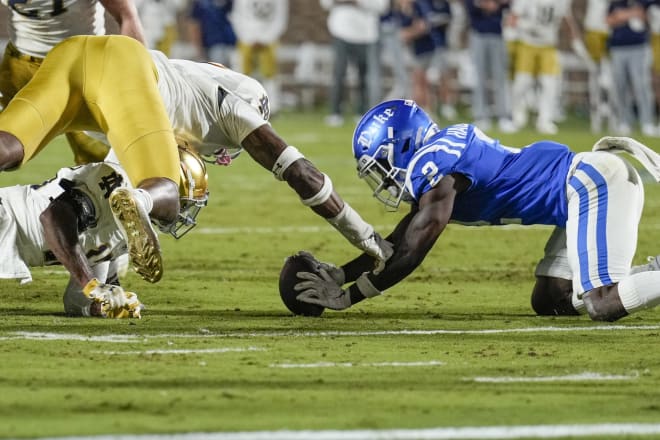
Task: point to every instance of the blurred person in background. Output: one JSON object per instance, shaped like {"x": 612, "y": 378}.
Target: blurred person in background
{"x": 538, "y": 24}
{"x": 630, "y": 55}
{"x": 211, "y": 32}
{"x": 654, "y": 25}
{"x": 354, "y": 27}
{"x": 424, "y": 29}
{"x": 601, "y": 89}
{"x": 159, "y": 19}
{"x": 394, "y": 53}
{"x": 259, "y": 25}
{"x": 36, "y": 27}
{"x": 491, "y": 61}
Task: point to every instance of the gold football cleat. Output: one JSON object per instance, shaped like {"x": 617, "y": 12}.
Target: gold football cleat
{"x": 143, "y": 245}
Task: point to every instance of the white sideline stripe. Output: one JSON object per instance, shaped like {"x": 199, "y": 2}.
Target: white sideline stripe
{"x": 581, "y": 377}
{"x": 206, "y": 334}
{"x": 351, "y": 364}
{"x": 462, "y": 433}
{"x": 185, "y": 351}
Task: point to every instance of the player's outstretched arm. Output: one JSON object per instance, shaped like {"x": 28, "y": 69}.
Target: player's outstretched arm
{"x": 314, "y": 189}
{"x": 414, "y": 237}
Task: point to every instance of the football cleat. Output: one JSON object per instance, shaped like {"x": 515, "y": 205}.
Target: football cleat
{"x": 143, "y": 246}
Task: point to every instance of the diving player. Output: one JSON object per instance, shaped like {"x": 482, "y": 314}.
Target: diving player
{"x": 459, "y": 174}
{"x": 111, "y": 84}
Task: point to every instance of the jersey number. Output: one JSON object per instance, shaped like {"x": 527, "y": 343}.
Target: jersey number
{"x": 430, "y": 170}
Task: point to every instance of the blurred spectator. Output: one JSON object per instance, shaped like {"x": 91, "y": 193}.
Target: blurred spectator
{"x": 601, "y": 89}
{"x": 538, "y": 23}
{"x": 211, "y": 32}
{"x": 394, "y": 53}
{"x": 596, "y": 30}
{"x": 259, "y": 25}
{"x": 159, "y": 19}
{"x": 424, "y": 28}
{"x": 354, "y": 27}
{"x": 654, "y": 25}
{"x": 631, "y": 63}
{"x": 491, "y": 62}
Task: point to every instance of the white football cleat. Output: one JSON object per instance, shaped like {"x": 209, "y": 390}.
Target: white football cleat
{"x": 141, "y": 238}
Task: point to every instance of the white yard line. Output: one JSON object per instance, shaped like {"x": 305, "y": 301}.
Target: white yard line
{"x": 185, "y": 351}
{"x": 462, "y": 433}
{"x": 351, "y": 364}
{"x": 580, "y": 377}
{"x": 203, "y": 333}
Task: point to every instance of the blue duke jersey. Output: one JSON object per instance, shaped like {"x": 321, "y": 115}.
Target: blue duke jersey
{"x": 508, "y": 185}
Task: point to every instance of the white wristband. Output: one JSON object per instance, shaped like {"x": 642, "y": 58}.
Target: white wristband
{"x": 284, "y": 161}
{"x": 320, "y": 197}
{"x": 365, "y": 286}
{"x": 351, "y": 225}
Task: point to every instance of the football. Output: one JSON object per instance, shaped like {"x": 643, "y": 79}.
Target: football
{"x": 288, "y": 279}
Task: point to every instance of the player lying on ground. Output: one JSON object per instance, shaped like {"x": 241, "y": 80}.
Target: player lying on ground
{"x": 112, "y": 85}
{"x": 67, "y": 220}
{"x": 459, "y": 174}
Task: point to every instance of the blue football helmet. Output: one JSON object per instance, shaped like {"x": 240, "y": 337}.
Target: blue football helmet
{"x": 384, "y": 141}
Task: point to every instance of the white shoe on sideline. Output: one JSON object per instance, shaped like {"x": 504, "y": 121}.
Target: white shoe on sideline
{"x": 506, "y": 125}
{"x": 546, "y": 127}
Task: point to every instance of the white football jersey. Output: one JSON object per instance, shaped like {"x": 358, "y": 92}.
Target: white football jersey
{"x": 595, "y": 17}
{"x": 539, "y": 21}
{"x": 22, "y": 241}
{"x": 35, "y": 26}
{"x": 192, "y": 91}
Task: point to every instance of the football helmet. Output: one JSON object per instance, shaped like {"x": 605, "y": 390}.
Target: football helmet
{"x": 193, "y": 192}
{"x": 384, "y": 141}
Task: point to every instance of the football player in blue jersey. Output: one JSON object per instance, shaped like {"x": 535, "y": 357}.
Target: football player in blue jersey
{"x": 459, "y": 174}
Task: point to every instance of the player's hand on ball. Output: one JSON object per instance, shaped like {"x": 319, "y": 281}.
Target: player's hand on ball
{"x": 114, "y": 301}
{"x": 337, "y": 273}
{"x": 322, "y": 290}
{"x": 379, "y": 248}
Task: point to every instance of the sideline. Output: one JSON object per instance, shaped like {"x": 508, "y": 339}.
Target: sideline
{"x": 463, "y": 433}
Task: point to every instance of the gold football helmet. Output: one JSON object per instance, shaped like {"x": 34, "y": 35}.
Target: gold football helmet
{"x": 193, "y": 192}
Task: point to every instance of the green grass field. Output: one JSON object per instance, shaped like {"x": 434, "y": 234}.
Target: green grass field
{"x": 456, "y": 345}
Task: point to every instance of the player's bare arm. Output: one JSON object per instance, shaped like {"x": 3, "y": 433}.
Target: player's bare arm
{"x": 126, "y": 15}
{"x": 265, "y": 146}
{"x": 60, "y": 224}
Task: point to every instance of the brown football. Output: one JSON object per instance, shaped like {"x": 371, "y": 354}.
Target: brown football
{"x": 288, "y": 279}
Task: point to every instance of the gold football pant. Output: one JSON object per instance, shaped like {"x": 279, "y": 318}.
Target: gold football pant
{"x": 16, "y": 69}
{"x": 98, "y": 83}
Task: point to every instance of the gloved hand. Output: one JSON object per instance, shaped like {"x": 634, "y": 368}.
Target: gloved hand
{"x": 322, "y": 290}
{"x": 379, "y": 248}
{"x": 114, "y": 301}
{"x": 337, "y": 273}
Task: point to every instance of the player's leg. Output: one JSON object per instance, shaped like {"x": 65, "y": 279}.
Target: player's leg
{"x": 43, "y": 107}
{"x": 605, "y": 200}
{"x": 553, "y": 290}
{"x": 121, "y": 92}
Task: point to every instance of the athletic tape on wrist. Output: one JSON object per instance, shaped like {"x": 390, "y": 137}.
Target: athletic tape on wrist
{"x": 351, "y": 225}
{"x": 366, "y": 287}
{"x": 320, "y": 197}
{"x": 284, "y": 161}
